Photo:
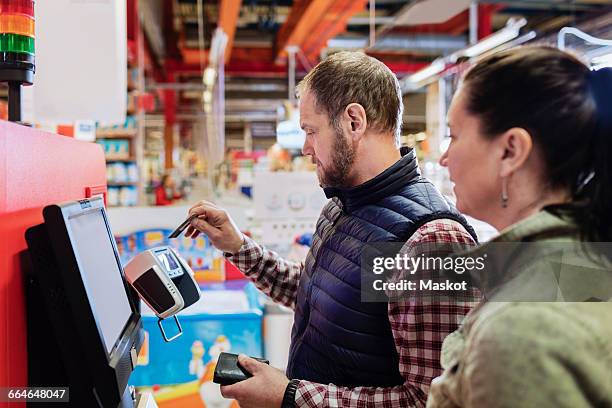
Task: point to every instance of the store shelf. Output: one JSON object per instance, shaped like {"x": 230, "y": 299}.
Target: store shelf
{"x": 116, "y": 134}
{"x": 122, "y": 184}
{"x": 110, "y": 159}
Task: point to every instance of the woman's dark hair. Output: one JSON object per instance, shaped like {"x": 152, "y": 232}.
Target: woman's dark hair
{"x": 567, "y": 109}
{"x": 164, "y": 178}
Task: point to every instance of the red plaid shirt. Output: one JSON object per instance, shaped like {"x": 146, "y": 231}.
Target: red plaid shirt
{"x": 418, "y": 327}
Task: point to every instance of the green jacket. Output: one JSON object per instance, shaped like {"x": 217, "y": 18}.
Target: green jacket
{"x": 540, "y": 339}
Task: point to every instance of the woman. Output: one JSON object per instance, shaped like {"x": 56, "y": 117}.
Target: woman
{"x": 531, "y": 154}
{"x": 166, "y": 192}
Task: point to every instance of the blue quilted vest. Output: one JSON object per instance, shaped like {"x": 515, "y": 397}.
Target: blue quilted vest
{"x": 336, "y": 338}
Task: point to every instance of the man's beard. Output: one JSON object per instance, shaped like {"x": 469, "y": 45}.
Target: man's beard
{"x": 342, "y": 158}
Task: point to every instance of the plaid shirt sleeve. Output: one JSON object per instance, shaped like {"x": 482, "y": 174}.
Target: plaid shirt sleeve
{"x": 418, "y": 328}
{"x": 273, "y": 275}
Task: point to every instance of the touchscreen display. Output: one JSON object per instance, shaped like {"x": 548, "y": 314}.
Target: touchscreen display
{"x": 101, "y": 273}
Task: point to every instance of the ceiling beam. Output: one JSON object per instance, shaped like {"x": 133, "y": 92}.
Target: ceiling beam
{"x": 333, "y": 23}
{"x": 229, "y": 10}
{"x": 389, "y": 25}
{"x": 454, "y": 26}
{"x": 194, "y": 56}
{"x": 152, "y": 21}
{"x": 254, "y": 54}
{"x": 304, "y": 16}
{"x": 170, "y": 35}
{"x": 485, "y": 19}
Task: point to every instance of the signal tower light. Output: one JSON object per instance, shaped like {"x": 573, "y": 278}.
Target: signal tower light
{"x": 16, "y": 50}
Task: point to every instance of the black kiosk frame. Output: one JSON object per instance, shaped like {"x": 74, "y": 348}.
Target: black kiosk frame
{"x": 66, "y": 345}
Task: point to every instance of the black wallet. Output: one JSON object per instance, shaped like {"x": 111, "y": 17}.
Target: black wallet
{"x": 229, "y": 371}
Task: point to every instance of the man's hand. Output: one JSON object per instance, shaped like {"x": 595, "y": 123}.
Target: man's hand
{"x": 217, "y": 224}
{"x": 264, "y": 390}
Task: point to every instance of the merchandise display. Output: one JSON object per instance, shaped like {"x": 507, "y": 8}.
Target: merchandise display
{"x": 228, "y": 318}
{"x": 122, "y": 172}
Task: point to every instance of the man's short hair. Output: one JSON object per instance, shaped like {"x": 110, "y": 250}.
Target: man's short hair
{"x": 353, "y": 77}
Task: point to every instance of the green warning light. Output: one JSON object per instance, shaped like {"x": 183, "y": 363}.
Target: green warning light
{"x": 16, "y": 43}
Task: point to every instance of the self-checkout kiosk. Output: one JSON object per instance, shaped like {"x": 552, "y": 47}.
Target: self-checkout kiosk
{"x": 71, "y": 318}
{"x": 84, "y": 323}
{"x": 37, "y": 168}
{"x": 84, "y": 317}
{"x": 50, "y": 335}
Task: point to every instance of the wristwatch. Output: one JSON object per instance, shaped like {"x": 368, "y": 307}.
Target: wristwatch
{"x": 289, "y": 397}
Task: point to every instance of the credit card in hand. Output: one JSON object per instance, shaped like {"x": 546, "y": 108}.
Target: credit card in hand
{"x": 182, "y": 227}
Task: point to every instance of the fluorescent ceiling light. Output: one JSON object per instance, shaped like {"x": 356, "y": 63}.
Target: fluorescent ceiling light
{"x": 503, "y": 36}
{"x": 217, "y": 46}
{"x": 588, "y": 39}
{"x": 602, "y": 59}
{"x": 209, "y": 76}
{"x": 508, "y": 33}
{"x": 600, "y": 66}
{"x": 435, "y": 68}
{"x": 489, "y": 43}
{"x": 598, "y": 52}
{"x": 207, "y": 97}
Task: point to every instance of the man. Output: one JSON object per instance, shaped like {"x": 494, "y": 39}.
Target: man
{"x": 345, "y": 352}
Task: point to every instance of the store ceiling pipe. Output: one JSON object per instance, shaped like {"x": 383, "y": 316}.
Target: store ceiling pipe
{"x": 420, "y": 42}
{"x": 261, "y": 87}
{"x": 554, "y": 5}
{"x": 474, "y": 22}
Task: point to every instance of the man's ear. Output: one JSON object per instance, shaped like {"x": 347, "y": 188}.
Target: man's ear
{"x": 517, "y": 145}
{"x": 355, "y": 119}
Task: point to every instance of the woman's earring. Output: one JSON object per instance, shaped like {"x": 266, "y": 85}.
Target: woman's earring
{"x": 504, "y": 194}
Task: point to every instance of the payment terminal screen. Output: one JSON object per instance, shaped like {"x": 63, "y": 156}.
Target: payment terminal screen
{"x": 167, "y": 260}
{"x": 101, "y": 274}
